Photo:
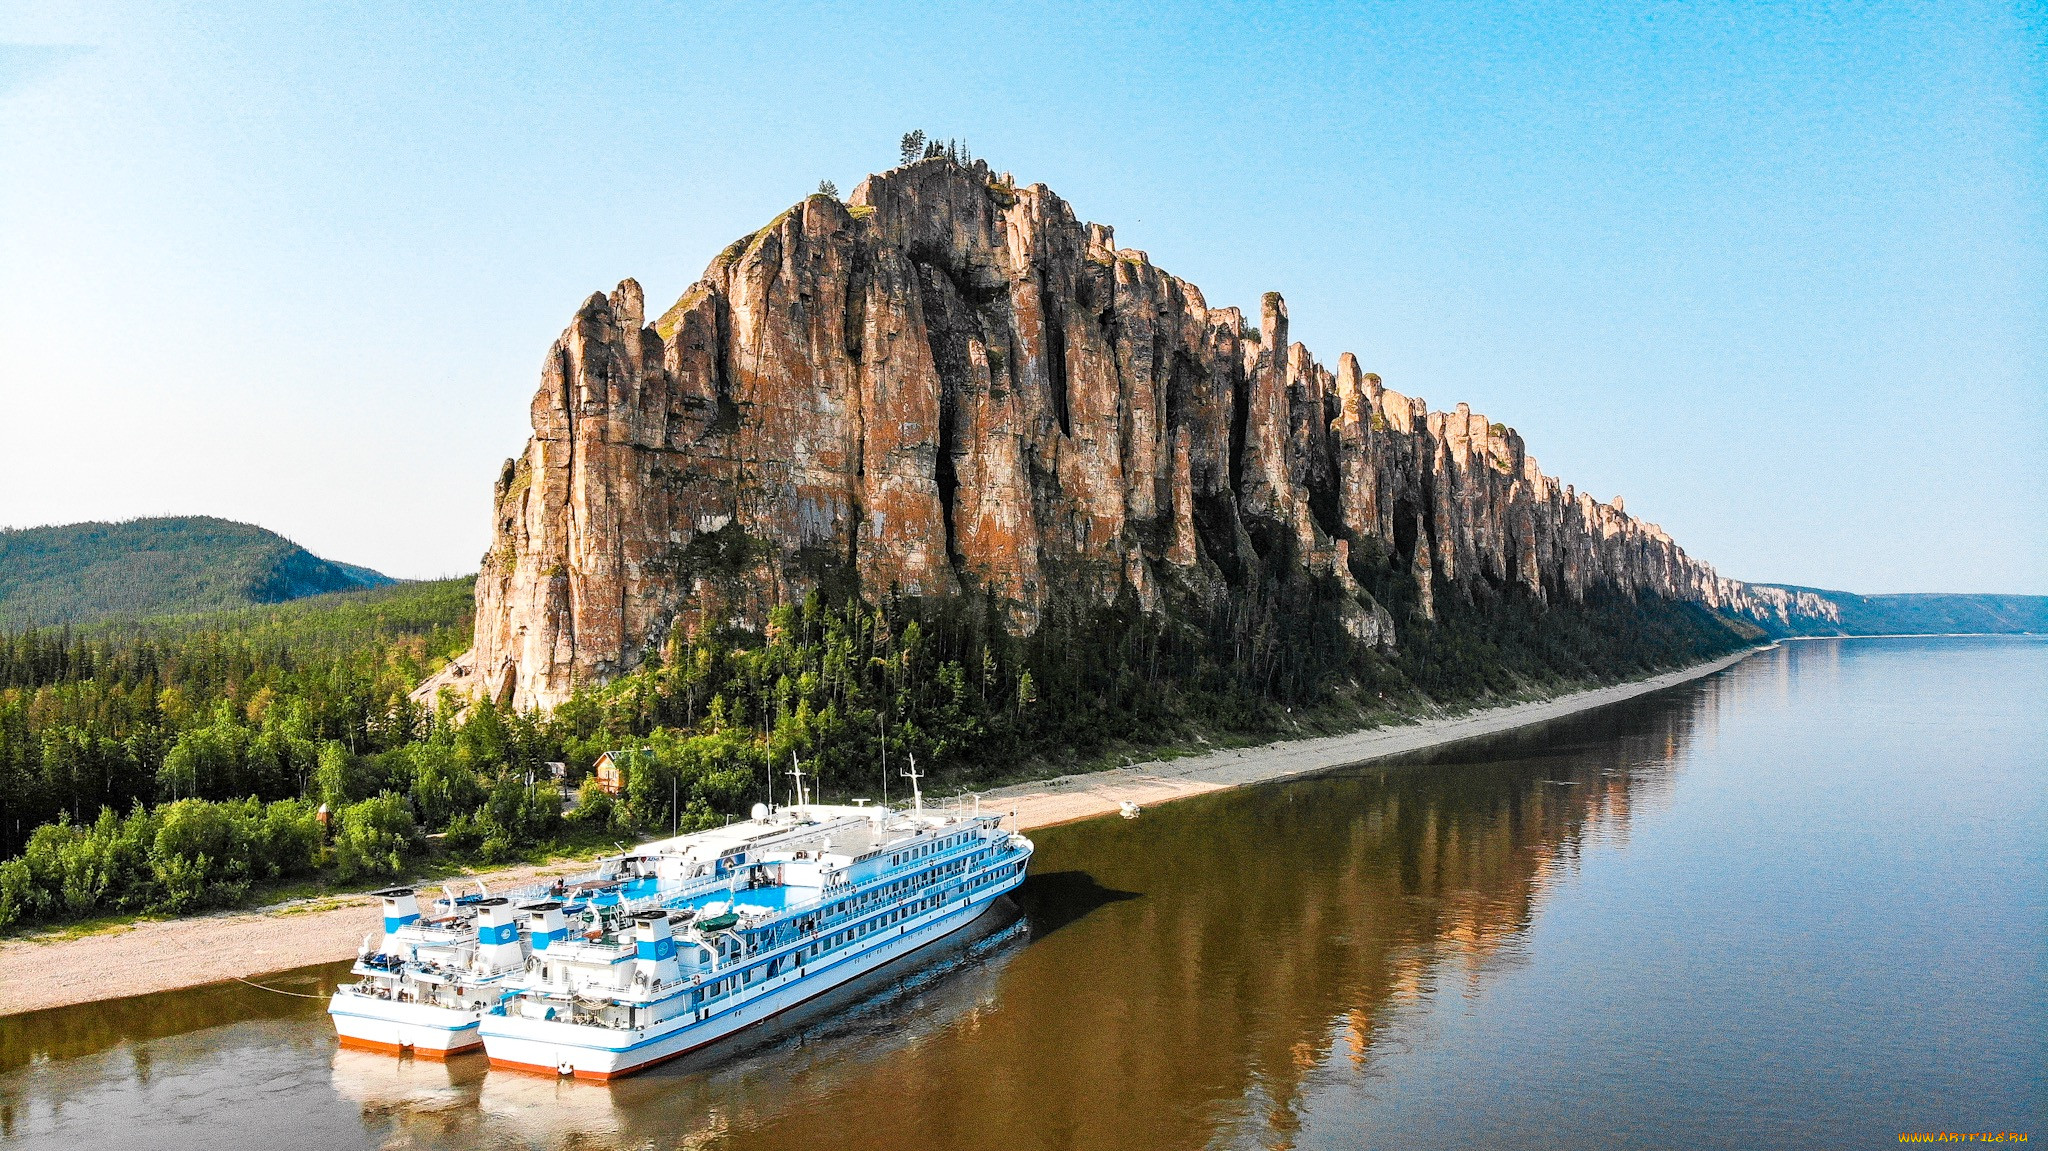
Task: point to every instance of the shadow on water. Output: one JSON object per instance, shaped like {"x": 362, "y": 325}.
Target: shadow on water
{"x": 1052, "y": 900}
{"x": 71, "y": 1032}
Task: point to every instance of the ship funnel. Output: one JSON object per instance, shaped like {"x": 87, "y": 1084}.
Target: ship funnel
{"x": 497, "y": 934}
{"x": 401, "y": 906}
{"x": 544, "y": 924}
{"x": 650, "y": 934}
{"x": 653, "y": 943}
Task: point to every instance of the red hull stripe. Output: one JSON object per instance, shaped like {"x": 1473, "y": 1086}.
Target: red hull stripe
{"x": 434, "y": 1053}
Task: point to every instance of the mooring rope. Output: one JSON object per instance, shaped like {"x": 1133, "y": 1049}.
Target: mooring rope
{"x": 279, "y": 990}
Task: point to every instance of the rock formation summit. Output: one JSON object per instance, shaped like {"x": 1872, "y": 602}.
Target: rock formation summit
{"x": 951, "y": 384}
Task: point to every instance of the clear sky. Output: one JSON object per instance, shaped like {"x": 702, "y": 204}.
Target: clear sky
{"x": 1776, "y": 273}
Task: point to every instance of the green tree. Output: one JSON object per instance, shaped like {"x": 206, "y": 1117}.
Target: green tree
{"x": 375, "y": 837}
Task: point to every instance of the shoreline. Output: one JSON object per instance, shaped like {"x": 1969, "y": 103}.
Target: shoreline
{"x": 1046, "y": 803}
{"x": 173, "y": 954}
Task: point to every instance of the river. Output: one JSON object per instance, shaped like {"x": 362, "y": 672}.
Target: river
{"x": 1801, "y": 903}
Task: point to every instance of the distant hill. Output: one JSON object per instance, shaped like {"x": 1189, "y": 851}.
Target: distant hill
{"x": 1928, "y": 613}
{"x": 78, "y": 573}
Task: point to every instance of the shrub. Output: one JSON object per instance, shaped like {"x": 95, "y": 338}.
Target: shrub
{"x": 181, "y": 882}
{"x": 463, "y": 837}
{"x": 286, "y": 841}
{"x": 197, "y": 857}
{"x": 18, "y": 902}
{"x": 375, "y": 838}
{"x": 594, "y": 806}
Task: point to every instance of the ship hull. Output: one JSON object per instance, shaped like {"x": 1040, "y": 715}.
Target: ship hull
{"x": 601, "y": 1054}
{"x": 418, "y": 1029}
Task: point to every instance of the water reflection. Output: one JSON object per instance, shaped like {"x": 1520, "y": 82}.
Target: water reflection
{"x": 1197, "y": 977}
{"x": 69, "y": 1032}
{"x": 1281, "y": 926}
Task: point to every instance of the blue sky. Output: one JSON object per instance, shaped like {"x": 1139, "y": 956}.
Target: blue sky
{"x": 1776, "y": 273}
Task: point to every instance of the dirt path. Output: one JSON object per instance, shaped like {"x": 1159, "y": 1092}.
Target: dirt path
{"x": 162, "y": 956}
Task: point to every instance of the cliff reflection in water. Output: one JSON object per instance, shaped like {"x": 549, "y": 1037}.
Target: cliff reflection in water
{"x": 1212, "y": 955}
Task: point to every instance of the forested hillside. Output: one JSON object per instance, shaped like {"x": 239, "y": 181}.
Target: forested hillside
{"x": 178, "y": 763}
{"x": 78, "y": 573}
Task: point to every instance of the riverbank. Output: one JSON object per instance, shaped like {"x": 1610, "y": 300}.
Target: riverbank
{"x": 1064, "y": 800}
{"x": 169, "y": 954}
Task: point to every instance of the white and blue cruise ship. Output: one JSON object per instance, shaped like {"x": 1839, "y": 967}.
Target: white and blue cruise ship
{"x": 792, "y": 904}
{"x": 422, "y": 987}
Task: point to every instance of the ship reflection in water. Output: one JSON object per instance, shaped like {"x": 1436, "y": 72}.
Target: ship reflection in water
{"x": 1636, "y": 927}
{"x": 810, "y": 1052}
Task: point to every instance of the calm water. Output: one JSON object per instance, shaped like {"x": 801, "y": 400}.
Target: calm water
{"x": 1802, "y": 903}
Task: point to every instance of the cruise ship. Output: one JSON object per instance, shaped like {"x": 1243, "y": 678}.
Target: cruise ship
{"x": 784, "y": 907}
{"x": 423, "y": 987}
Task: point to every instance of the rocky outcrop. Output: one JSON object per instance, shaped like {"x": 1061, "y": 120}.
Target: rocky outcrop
{"x": 1782, "y": 610}
{"x": 950, "y": 383}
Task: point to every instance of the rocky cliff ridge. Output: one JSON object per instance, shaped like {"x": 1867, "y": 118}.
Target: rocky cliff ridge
{"x": 949, "y": 383}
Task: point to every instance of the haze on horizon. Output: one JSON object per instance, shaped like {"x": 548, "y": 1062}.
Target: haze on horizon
{"x": 1778, "y": 277}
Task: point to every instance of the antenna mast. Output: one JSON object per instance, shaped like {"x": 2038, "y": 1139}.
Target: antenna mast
{"x": 916, "y": 793}
{"x": 802, "y": 799}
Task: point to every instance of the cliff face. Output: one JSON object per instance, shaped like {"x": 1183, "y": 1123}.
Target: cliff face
{"x": 951, "y": 383}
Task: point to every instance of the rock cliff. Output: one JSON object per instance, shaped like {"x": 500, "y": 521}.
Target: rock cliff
{"x": 951, "y": 383}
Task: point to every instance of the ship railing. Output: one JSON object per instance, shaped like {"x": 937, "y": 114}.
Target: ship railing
{"x": 960, "y": 883}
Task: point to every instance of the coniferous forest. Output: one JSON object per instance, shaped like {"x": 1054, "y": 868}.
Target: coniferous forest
{"x": 173, "y": 764}
{"x": 79, "y": 573}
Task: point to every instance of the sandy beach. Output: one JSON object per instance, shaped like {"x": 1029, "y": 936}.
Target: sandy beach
{"x": 162, "y": 956}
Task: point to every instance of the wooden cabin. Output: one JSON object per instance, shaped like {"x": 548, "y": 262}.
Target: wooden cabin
{"x": 611, "y": 771}
{"x": 612, "y": 767}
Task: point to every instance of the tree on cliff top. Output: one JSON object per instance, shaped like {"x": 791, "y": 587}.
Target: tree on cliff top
{"x": 911, "y": 148}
